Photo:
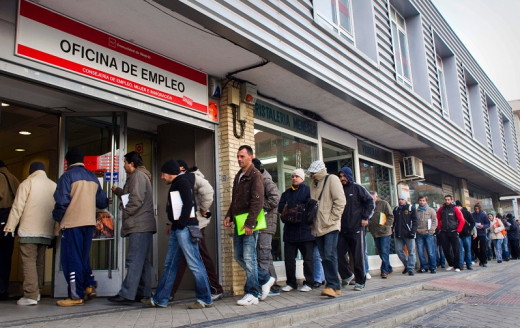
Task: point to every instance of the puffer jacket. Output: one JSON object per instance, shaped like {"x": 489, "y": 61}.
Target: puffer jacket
{"x": 422, "y": 220}
{"x": 377, "y": 230}
{"x": 32, "y": 207}
{"x": 496, "y": 226}
{"x": 203, "y": 197}
{"x": 331, "y": 205}
{"x": 248, "y": 196}
{"x": 271, "y": 200}
{"x": 405, "y": 221}
{"x": 138, "y": 215}
{"x": 360, "y": 204}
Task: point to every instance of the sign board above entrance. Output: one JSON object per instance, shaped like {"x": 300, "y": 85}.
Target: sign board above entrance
{"x": 46, "y": 36}
{"x": 285, "y": 119}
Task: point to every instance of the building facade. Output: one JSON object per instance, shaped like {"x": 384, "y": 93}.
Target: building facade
{"x": 382, "y": 86}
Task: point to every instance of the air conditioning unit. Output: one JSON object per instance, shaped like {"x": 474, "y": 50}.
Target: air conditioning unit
{"x": 413, "y": 168}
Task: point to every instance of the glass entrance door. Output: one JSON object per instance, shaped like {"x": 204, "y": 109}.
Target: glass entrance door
{"x": 102, "y": 139}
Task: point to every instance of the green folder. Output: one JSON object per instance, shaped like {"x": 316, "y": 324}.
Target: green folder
{"x": 241, "y": 219}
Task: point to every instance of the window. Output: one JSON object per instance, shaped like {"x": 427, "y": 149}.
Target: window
{"x": 337, "y": 14}
{"x": 442, "y": 86}
{"x": 400, "y": 45}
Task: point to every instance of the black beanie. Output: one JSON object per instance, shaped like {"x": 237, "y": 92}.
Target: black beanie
{"x": 36, "y": 166}
{"x": 257, "y": 163}
{"x": 509, "y": 216}
{"x": 171, "y": 167}
{"x": 73, "y": 156}
{"x": 183, "y": 164}
{"x": 458, "y": 203}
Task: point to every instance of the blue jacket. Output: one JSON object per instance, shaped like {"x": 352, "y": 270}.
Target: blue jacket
{"x": 512, "y": 233}
{"x": 360, "y": 204}
{"x": 481, "y": 218}
{"x": 296, "y": 232}
{"x": 77, "y": 196}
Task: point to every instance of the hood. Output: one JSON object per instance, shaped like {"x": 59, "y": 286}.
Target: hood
{"x": 266, "y": 175}
{"x": 320, "y": 175}
{"x": 145, "y": 171}
{"x": 348, "y": 173}
{"x": 198, "y": 173}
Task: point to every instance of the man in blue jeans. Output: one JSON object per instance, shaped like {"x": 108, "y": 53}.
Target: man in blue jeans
{"x": 426, "y": 225}
{"x": 381, "y": 229}
{"x": 465, "y": 237}
{"x": 181, "y": 242}
{"x": 248, "y": 197}
{"x": 405, "y": 228}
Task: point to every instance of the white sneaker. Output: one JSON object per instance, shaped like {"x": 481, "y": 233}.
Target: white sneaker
{"x": 287, "y": 288}
{"x": 247, "y": 300}
{"x": 368, "y": 276}
{"x": 457, "y": 270}
{"x": 266, "y": 288}
{"x": 26, "y": 301}
{"x": 39, "y": 297}
{"x": 449, "y": 268}
{"x": 305, "y": 288}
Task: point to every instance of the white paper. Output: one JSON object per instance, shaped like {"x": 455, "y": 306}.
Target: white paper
{"x": 125, "y": 198}
{"x": 429, "y": 224}
{"x": 176, "y": 200}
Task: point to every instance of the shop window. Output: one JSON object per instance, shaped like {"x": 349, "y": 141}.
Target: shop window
{"x": 434, "y": 193}
{"x": 336, "y": 156}
{"x": 337, "y": 16}
{"x": 478, "y": 197}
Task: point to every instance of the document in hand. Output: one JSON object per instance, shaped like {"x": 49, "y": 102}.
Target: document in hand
{"x": 382, "y": 218}
{"x": 241, "y": 219}
{"x": 125, "y": 198}
{"x": 176, "y": 200}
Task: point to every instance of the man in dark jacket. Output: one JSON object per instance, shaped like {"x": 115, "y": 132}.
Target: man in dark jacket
{"x": 449, "y": 223}
{"x": 297, "y": 235}
{"x": 181, "y": 241}
{"x": 482, "y": 224}
{"x": 139, "y": 226}
{"x": 513, "y": 236}
{"x": 405, "y": 228}
{"x": 248, "y": 197}
{"x": 465, "y": 237}
{"x": 265, "y": 236}
{"x": 380, "y": 227}
{"x": 78, "y": 194}
{"x": 355, "y": 218}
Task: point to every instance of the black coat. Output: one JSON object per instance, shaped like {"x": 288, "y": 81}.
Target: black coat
{"x": 296, "y": 198}
{"x": 184, "y": 185}
{"x": 405, "y": 221}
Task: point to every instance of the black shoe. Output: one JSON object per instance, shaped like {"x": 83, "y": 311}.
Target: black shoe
{"x": 138, "y": 298}
{"x": 405, "y": 271}
{"x": 499, "y": 261}
{"x": 433, "y": 271}
{"x": 469, "y": 268}
{"x": 4, "y": 296}
{"x": 507, "y": 260}
{"x": 120, "y": 300}
{"x": 316, "y": 284}
{"x": 421, "y": 271}
{"x": 410, "y": 273}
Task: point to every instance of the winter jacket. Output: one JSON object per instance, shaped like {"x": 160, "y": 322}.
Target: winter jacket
{"x": 512, "y": 233}
{"x": 295, "y": 199}
{"x": 496, "y": 226}
{"x": 184, "y": 184}
{"x": 138, "y": 214}
{"x": 203, "y": 197}
{"x": 469, "y": 223}
{"x": 377, "y": 230}
{"x": 360, "y": 204}
{"x": 405, "y": 221}
{"x": 32, "y": 207}
{"x": 331, "y": 205}
{"x": 6, "y": 194}
{"x": 248, "y": 196}
{"x": 449, "y": 218}
{"x": 77, "y": 196}
{"x": 271, "y": 200}
{"x": 422, "y": 220}
{"x": 483, "y": 219}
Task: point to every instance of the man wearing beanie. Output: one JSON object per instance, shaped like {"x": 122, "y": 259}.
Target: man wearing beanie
{"x": 465, "y": 237}
{"x": 8, "y": 186}
{"x": 77, "y": 196}
{"x": 32, "y": 213}
{"x": 405, "y": 227}
{"x": 297, "y": 235}
{"x": 450, "y": 223}
{"x": 480, "y": 244}
{"x": 265, "y": 236}
{"x": 248, "y": 197}
{"x": 182, "y": 242}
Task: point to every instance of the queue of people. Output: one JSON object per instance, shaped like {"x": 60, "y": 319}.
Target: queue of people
{"x": 325, "y": 221}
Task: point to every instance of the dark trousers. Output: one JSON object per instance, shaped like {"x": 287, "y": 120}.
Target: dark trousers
{"x": 514, "y": 248}
{"x": 6, "y": 253}
{"x": 354, "y": 244}
{"x": 451, "y": 247}
{"x": 138, "y": 280}
{"x": 480, "y": 248}
{"x": 214, "y": 284}
{"x": 290, "y": 251}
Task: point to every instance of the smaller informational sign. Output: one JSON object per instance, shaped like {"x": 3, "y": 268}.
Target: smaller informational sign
{"x": 108, "y": 175}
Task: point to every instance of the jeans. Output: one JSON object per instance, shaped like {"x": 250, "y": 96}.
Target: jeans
{"x": 327, "y": 244}
{"x": 441, "y": 259}
{"x": 408, "y": 261}
{"x": 505, "y": 248}
{"x": 138, "y": 280}
{"x": 498, "y": 247}
{"x": 245, "y": 255}
{"x": 465, "y": 251}
{"x": 428, "y": 241}
{"x": 319, "y": 275}
{"x": 179, "y": 245}
{"x": 383, "y": 248}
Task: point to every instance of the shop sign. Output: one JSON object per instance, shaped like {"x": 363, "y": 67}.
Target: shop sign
{"x": 368, "y": 150}
{"x": 280, "y": 117}
{"x": 51, "y": 38}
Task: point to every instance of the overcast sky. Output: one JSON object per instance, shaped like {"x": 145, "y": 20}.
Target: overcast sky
{"x": 490, "y": 30}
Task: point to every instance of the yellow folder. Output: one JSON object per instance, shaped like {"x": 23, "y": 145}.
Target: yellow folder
{"x": 241, "y": 219}
{"x": 382, "y": 218}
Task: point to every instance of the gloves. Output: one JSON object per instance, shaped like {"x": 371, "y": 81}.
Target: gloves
{"x": 411, "y": 235}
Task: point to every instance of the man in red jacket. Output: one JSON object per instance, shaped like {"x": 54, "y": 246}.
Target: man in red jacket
{"x": 450, "y": 222}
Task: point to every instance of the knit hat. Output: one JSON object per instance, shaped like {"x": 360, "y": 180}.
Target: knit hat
{"x": 458, "y": 203}
{"x": 403, "y": 195}
{"x": 183, "y": 164}
{"x": 35, "y": 166}
{"x": 171, "y": 167}
{"x": 491, "y": 212}
{"x": 509, "y": 216}
{"x": 257, "y": 163}
{"x": 299, "y": 172}
{"x": 316, "y": 167}
{"x": 499, "y": 215}
{"x": 73, "y": 156}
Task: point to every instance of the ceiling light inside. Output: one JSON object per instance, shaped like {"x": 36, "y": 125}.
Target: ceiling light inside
{"x": 19, "y": 149}
{"x": 25, "y": 133}
{"x": 5, "y": 104}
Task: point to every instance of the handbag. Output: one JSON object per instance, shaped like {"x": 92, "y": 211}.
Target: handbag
{"x": 195, "y": 234}
{"x": 311, "y": 208}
